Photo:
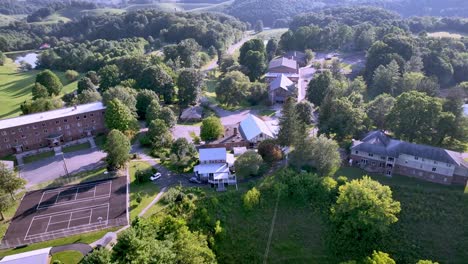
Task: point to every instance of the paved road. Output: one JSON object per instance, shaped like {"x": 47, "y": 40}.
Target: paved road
{"x": 52, "y": 168}
{"x": 83, "y": 248}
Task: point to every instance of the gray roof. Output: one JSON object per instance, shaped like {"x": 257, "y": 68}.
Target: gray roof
{"x": 282, "y": 82}
{"x": 253, "y": 126}
{"x": 50, "y": 115}
{"x": 40, "y": 256}
{"x": 283, "y": 62}
{"x": 377, "y": 142}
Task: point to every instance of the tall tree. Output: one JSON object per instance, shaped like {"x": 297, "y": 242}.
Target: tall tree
{"x": 385, "y": 80}
{"x": 363, "y": 212}
{"x": 39, "y": 91}
{"x": 5, "y": 204}
{"x": 109, "y": 76}
{"x": 97, "y": 256}
{"x": 190, "y": 83}
{"x": 251, "y": 45}
{"x": 143, "y": 100}
{"x": 153, "y": 111}
{"x": 89, "y": 96}
{"x": 50, "y": 81}
{"x": 287, "y": 123}
{"x": 159, "y": 134}
{"x": 85, "y": 83}
{"x": 254, "y": 61}
{"x": 378, "y": 109}
{"x": 258, "y": 26}
{"x": 319, "y": 87}
{"x": 156, "y": 78}
{"x": 271, "y": 48}
{"x": 248, "y": 164}
{"x": 168, "y": 116}
{"x": 305, "y": 112}
{"x": 118, "y": 149}
{"x": 119, "y": 117}
{"x": 9, "y": 181}
{"x": 124, "y": 94}
{"x": 211, "y": 128}
{"x": 233, "y": 88}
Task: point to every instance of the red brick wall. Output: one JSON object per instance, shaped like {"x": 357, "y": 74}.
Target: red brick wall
{"x": 34, "y": 135}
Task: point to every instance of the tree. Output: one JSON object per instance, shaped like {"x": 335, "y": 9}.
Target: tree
{"x": 39, "y": 91}
{"x": 109, "y": 76}
{"x": 123, "y": 94}
{"x": 363, "y": 212}
{"x": 271, "y": 48}
{"x": 143, "y": 100}
{"x": 415, "y": 64}
{"x": 84, "y": 84}
{"x": 211, "y": 128}
{"x": 426, "y": 262}
{"x": 118, "y": 149}
{"x": 190, "y": 82}
{"x": 40, "y": 105}
{"x": 379, "y": 257}
{"x": 255, "y": 64}
{"x": 97, "y": 256}
{"x": 153, "y": 111}
{"x": 89, "y": 96}
{"x": 248, "y": 164}
{"x": 258, "y": 26}
{"x": 226, "y": 63}
{"x": 251, "y": 198}
{"x": 182, "y": 148}
{"x": 156, "y": 78}
{"x": 321, "y": 153}
{"x": 233, "y": 88}
{"x": 385, "y": 80}
{"x": 287, "y": 123}
{"x": 9, "y": 181}
{"x": 168, "y": 116}
{"x": 342, "y": 118}
{"x": 5, "y": 203}
{"x": 378, "y": 109}
{"x": 305, "y": 112}
{"x": 119, "y": 117}
{"x": 319, "y": 87}
{"x": 50, "y": 81}
{"x": 269, "y": 151}
{"x": 251, "y": 45}
{"x": 71, "y": 75}
{"x": 159, "y": 134}
{"x": 2, "y": 58}
{"x": 358, "y": 85}
{"x": 93, "y": 76}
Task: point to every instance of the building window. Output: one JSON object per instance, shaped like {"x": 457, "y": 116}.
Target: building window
{"x": 449, "y": 165}
{"x": 84, "y": 116}
{"x": 65, "y": 120}
{"x": 6, "y": 139}
{"x": 77, "y": 118}
{"x": 390, "y": 159}
{"x": 20, "y": 129}
{"x": 91, "y": 114}
{"x": 23, "y": 136}
{"x": 371, "y": 155}
{"x": 34, "y": 127}
{"x": 356, "y": 152}
{"x": 416, "y": 158}
{"x": 36, "y": 133}
{"x": 434, "y": 169}
{"x": 46, "y": 131}
{"x": 43, "y": 124}
{"x": 59, "y": 128}
{"x": 383, "y": 158}
{"x": 56, "y": 122}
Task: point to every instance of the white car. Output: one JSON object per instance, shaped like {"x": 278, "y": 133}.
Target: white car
{"x": 156, "y": 176}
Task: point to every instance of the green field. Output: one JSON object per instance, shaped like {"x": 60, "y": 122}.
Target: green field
{"x": 272, "y": 33}
{"x": 37, "y": 157}
{"x": 77, "y": 147}
{"x": 5, "y": 19}
{"x": 68, "y": 257}
{"x": 15, "y": 88}
{"x": 148, "y": 190}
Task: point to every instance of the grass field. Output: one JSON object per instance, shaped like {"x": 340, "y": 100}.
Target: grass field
{"x": 214, "y": 8}
{"x": 68, "y": 257}
{"x": 148, "y": 190}
{"x": 38, "y": 157}
{"x": 5, "y": 19}
{"x": 9, "y": 213}
{"x": 169, "y": 7}
{"x": 272, "y": 33}
{"x": 85, "y": 238}
{"x": 15, "y": 88}
{"x": 77, "y": 147}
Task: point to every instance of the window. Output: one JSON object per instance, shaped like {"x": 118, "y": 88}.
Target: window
{"x": 34, "y": 127}
{"x": 383, "y": 158}
{"x": 56, "y": 122}
{"x": 43, "y": 124}
{"x": 91, "y": 114}
{"x": 20, "y": 129}
{"x": 5, "y": 140}
{"x": 371, "y": 155}
{"x": 46, "y": 131}
{"x": 23, "y": 136}
{"x": 434, "y": 169}
{"x": 59, "y": 128}
{"x": 390, "y": 159}
{"x": 65, "y": 120}
{"x": 84, "y": 116}
{"x": 416, "y": 158}
{"x": 77, "y": 118}
{"x": 357, "y": 152}
{"x": 36, "y": 133}
{"x": 78, "y": 124}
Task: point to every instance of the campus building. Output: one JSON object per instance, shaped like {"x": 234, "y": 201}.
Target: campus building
{"x": 379, "y": 153}
{"x": 51, "y": 128}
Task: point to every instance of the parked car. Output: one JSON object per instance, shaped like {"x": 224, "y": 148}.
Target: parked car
{"x": 156, "y": 176}
{"x": 194, "y": 180}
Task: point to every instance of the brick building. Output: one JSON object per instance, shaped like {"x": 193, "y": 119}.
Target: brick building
{"x": 50, "y": 128}
{"x": 379, "y": 153}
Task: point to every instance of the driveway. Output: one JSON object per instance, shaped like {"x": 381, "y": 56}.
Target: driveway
{"x": 54, "y": 167}
{"x": 184, "y": 131}
{"x": 305, "y": 75}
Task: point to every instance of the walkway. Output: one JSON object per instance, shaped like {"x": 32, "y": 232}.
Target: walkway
{"x": 83, "y": 248}
{"x": 156, "y": 199}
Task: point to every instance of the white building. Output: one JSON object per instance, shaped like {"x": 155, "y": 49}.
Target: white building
{"x": 40, "y": 256}
{"x": 256, "y": 130}
{"x": 214, "y": 167}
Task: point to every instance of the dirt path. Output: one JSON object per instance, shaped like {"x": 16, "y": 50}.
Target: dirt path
{"x": 272, "y": 228}
{"x": 156, "y": 199}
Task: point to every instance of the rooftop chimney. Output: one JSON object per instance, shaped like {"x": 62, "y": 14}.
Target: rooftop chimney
{"x": 235, "y": 131}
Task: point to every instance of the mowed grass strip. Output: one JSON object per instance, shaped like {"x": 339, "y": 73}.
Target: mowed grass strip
{"x": 147, "y": 190}
{"x": 15, "y": 88}
{"x": 68, "y": 257}
{"x": 77, "y": 147}
{"x": 37, "y": 157}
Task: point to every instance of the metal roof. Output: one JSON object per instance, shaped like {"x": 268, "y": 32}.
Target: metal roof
{"x": 50, "y": 115}
{"x": 219, "y": 170}
{"x": 283, "y": 62}
{"x": 281, "y": 82}
{"x": 253, "y": 126}
{"x": 208, "y": 154}
{"x": 40, "y": 256}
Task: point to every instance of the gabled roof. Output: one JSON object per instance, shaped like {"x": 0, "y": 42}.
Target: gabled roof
{"x": 253, "y": 126}
{"x": 283, "y": 62}
{"x": 50, "y": 115}
{"x": 212, "y": 154}
{"x": 40, "y": 256}
{"x": 282, "y": 82}
{"x": 377, "y": 142}
{"x": 219, "y": 170}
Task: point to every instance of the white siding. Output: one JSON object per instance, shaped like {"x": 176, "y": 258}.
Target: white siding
{"x": 426, "y": 165}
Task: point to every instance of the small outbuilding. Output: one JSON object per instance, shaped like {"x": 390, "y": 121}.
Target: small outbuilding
{"x": 192, "y": 114}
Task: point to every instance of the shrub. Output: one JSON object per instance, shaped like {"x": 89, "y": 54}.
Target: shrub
{"x": 269, "y": 151}
{"x": 248, "y": 164}
{"x": 142, "y": 176}
{"x": 139, "y": 197}
{"x": 71, "y": 75}
{"x": 251, "y": 198}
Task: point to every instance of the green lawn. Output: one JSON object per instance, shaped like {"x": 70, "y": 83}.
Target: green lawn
{"x": 68, "y": 257}
{"x": 271, "y": 33}
{"x": 432, "y": 222}
{"x": 82, "y": 238}
{"x": 38, "y": 157}
{"x": 15, "y": 88}
{"x": 147, "y": 190}
{"x": 77, "y": 147}
{"x": 100, "y": 141}
{"x": 88, "y": 176}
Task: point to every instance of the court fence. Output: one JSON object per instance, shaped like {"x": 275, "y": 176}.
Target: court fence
{"x": 19, "y": 242}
